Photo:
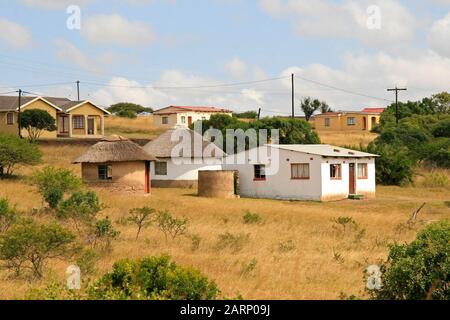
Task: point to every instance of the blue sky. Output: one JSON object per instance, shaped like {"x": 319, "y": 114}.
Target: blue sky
{"x": 125, "y": 47}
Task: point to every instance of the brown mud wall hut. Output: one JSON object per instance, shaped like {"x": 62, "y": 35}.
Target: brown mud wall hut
{"x": 218, "y": 184}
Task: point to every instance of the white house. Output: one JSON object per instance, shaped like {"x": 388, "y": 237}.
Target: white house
{"x": 178, "y": 164}
{"x": 184, "y": 116}
{"x": 304, "y": 172}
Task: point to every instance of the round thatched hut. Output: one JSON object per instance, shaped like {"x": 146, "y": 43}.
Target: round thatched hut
{"x": 118, "y": 163}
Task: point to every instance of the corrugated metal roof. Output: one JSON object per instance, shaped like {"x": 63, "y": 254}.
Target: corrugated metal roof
{"x": 324, "y": 150}
{"x": 179, "y": 109}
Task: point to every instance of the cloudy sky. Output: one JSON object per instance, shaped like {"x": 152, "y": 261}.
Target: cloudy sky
{"x": 237, "y": 54}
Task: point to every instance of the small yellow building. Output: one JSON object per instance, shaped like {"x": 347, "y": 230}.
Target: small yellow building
{"x": 365, "y": 120}
{"x": 177, "y": 116}
{"x": 74, "y": 119}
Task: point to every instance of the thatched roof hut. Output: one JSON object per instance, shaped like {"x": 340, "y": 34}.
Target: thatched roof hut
{"x": 162, "y": 146}
{"x": 115, "y": 149}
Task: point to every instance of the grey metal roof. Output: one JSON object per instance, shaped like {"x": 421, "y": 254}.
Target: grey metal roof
{"x": 325, "y": 150}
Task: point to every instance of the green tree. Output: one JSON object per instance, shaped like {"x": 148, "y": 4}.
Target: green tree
{"x": 171, "y": 226}
{"x": 309, "y": 106}
{"x": 154, "y": 278}
{"x": 8, "y": 215}
{"x": 15, "y": 151}
{"x": 104, "y": 233}
{"x": 141, "y": 217}
{"x": 81, "y": 207}
{"x": 35, "y": 122}
{"x": 54, "y": 183}
{"x": 29, "y": 245}
{"x": 419, "y": 270}
{"x": 127, "y": 109}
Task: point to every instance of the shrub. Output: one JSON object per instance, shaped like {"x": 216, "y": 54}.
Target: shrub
{"x": 87, "y": 261}
{"x": 53, "y": 183}
{"x": 35, "y": 122}
{"x": 196, "y": 240}
{"x": 248, "y": 268}
{"x": 104, "y": 234}
{"x": 286, "y": 246}
{"x": 29, "y": 245}
{"x": 153, "y": 278}
{"x": 141, "y": 217}
{"x": 15, "y": 151}
{"x": 345, "y": 223}
{"x": 234, "y": 242}
{"x": 171, "y": 226}
{"x": 419, "y": 270}
{"x": 252, "y": 218}
{"x": 81, "y": 207}
{"x": 8, "y": 216}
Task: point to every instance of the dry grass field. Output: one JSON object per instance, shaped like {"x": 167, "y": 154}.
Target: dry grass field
{"x": 340, "y": 138}
{"x": 139, "y": 128}
{"x": 297, "y": 252}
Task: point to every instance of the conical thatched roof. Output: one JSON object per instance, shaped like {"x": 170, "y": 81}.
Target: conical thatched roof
{"x": 114, "y": 149}
{"x": 162, "y": 146}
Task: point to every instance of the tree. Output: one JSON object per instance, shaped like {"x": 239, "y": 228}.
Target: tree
{"x": 419, "y": 270}
{"x": 54, "y": 183}
{"x": 325, "y": 108}
{"x": 246, "y": 115}
{"x": 82, "y": 206}
{"x": 104, "y": 233}
{"x": 310, "y": 106}
{"x": 35, "y": 122}
{"x": 171, "y": 226}
{"x": 128, "y": 110}
{"x": 15, "y": 151}
{"x": 141, "y": 217}
{"x": 8, "y": 216}
{"x": 154, "y": 278}
{"x": 29, "y": 245}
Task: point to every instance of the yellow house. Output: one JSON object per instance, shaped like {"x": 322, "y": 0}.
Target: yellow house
{"x": 364, "y": 120}
{"x": 174, "y": 116}
{"x": 74, "y": 119}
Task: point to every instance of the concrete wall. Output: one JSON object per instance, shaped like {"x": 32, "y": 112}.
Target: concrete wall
{"x": 339, "y": 122}
{"x": 177, "y": 119}
{"x": 216, "y": 184}
{"x": 88, "y": 111}
{"x": 157, "y": 121}
{"x": 126, "y": 175}
{"x": 181, "y": 175}
{"x": 8, "y": 129}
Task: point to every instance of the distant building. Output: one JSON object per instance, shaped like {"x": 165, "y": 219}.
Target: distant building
{"x": 74, "y": 119}
{"x": 184, "y": 116}
{"x": 364, "y": 120}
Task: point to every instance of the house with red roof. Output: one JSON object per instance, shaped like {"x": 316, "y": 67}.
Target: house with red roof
{"x": 184, "y": 116}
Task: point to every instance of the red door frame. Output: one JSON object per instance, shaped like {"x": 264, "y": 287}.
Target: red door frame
{"x": 147, "y": 177}
{"x": 189, "y": 120}
{"x": 352, "y": 180}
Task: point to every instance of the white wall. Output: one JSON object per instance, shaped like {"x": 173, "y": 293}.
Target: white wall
{"x": 196, "y": 116}
{"x": 184, "y": 172}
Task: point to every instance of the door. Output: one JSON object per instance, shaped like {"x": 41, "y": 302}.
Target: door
{"x": 64, "y": 125}
{"x": 91, "y": 126}
{"x": 147, "y": 177}
{"x": 189, "y": 121}
{"x": 352, "y": 179}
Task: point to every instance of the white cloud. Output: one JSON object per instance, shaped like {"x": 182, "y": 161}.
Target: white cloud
{"x": 117, "y": 30}
{"x": 236, "y": 68}
{"x": 348, "y": 19}
{"x": 439, "y": 36}
{"x": 15, "y": 35}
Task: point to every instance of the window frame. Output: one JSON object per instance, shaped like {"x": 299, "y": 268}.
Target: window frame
{"x": 327, "y": 122}
{"x": 107, "y": 174}
{"x": 339, "y": 171}
{"x": 300, "y": 178}
{"x": 183, "y": 119}
{"x": 76, "y": 125}
{"x": 166, "y": 168}
{"x": 8, "y": 122}
{"x": 258, "y": 176}
{"x": 366, "y": 171}
{"x": 165, "y": 120}
{"x": 351, "y": 121}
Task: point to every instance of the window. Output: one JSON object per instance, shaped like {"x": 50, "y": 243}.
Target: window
{"x": 10, "y": 118}
{"x": 335, "y": 171}
{"x": 105, "y": 172}
{"x": 362, "y": 171}
{"x": 260, "y": 172}
{"x": 300, "y": 171}
{"x": 161, "y": 168}
{"x": 327, "y": 122}
{"x": 183, "y": 119}
{"x": 78, "y": 122}
{"x": 165, "y": 120}
{"x": 351, "y": 121}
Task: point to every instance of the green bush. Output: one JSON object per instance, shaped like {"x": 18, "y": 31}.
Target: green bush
{"x": 82, "y": 206}
{"x": 252, "y": 218}
{"x": 8, "y": 216}
{"x": 235, "y": 242}
{"x": 154, "y": 278}
{"x": 86, "y": 261}
{"x": 54, "y": 183}
{"x": 15, "y": 151}
{"x": 419, "y": 270}
{"x": 141, "y": 217}
{"x": 104, "y": 234}
{"x": 30, "y": 245}
{"x": 170, "y": 226}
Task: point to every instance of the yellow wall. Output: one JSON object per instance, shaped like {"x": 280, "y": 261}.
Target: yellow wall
{"x": 157, "y": 120}
{"x": 8, "y": 129}
{"x": 87, "y": 111}
{"x": 340, "y": 122}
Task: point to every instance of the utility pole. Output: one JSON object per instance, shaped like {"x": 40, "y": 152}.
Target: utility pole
{"x": 19, "y": 115}
{"x": 397, "y": 114}
{"x": 78, "y": 90}
{"x": 293, "y": 96}
{"x": 259, "y": 114}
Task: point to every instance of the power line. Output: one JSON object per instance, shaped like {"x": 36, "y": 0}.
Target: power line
{"x": 343, "y": 90}
{"x": 5, "y": 93}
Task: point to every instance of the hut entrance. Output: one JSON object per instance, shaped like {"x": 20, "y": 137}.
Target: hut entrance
{"x": 237, "y": 184}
